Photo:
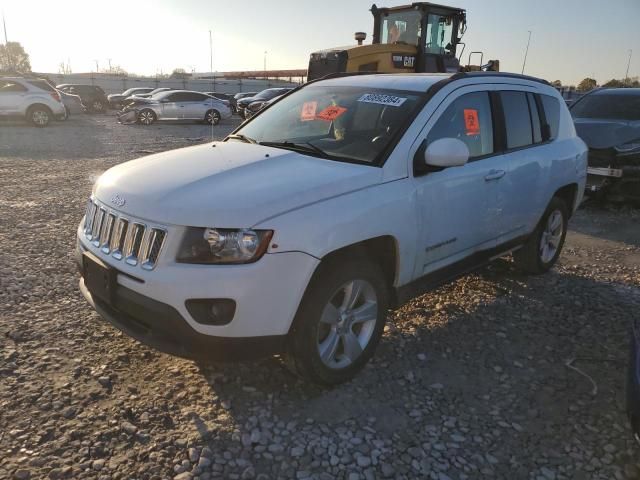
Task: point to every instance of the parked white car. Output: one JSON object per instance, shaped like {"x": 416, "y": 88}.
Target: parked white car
{"x": 32, "y": 99}
{"x": 178, "y": 105}
{"x": 345, "y": 198}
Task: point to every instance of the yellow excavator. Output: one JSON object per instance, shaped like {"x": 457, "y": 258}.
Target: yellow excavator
{"x": 421, "y": 37}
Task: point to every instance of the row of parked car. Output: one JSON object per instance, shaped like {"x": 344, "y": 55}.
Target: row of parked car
{"x": 40, "y": 102}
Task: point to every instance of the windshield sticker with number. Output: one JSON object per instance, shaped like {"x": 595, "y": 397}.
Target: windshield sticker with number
{"x": 331, "y": 113}
{"x": 308, "y": 112}
{"x": 471, "y": 123}
{"x": 381, "y": 99}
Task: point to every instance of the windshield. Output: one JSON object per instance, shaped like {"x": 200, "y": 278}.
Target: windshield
{"x": 343, "y": 123}
{"x": 402, "y": 27}
{"x": 609, "y": 107}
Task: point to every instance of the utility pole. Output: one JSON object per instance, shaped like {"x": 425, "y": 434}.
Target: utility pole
{"x": 264, "y": 67}
{"x": 626, "y": 77}
{"x": 97, "y": 67}
{"x": 526, "y": 52}
{"x": 4, "y": 26}
{"x": 213, "y": 76}
{"x": 109, "y": 60}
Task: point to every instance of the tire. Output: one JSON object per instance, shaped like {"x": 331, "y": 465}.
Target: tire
{"x": 212, "y": 117}
{"x": 146, "y": 117}
{"x": 545, "y": 244}
{"x": 39, "y": 116}
{"x": 97, "y": 106}
{"x": 351, "y": 330}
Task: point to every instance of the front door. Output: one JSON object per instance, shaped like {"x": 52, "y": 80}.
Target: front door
{"x": 457, "y": 206}
{"x": 173, "y": 106}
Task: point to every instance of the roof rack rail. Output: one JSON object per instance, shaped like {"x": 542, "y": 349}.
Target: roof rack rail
{"x": 499, "y": 74}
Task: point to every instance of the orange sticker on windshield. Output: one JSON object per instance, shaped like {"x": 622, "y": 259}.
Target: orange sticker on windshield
{"x": 308, "y": 111}
{"x": 471, "y": 123}
{"x": 331, "y": 113}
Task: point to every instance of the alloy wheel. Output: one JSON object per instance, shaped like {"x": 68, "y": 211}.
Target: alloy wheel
{"x": 551, "y": 236}
{"x": 40, "y": 117}
{"x": 347, "y": 324}
{"x": 146, "y": 118}
{"x": 213, "y": 118}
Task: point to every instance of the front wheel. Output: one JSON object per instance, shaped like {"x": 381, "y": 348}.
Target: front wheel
{"x": 545, "y": 244}
{"x": 146, "y": 117}
{"x": 339, "y": 322}
{"x": 212, "y": 117}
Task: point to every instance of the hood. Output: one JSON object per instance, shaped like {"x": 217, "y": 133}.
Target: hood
{"x": 227, "y": 184}
{"x": 247, "y": 100}
{"x": 599, "y": 133}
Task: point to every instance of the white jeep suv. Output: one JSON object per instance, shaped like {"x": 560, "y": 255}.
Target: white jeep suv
{"x": 30, "y": 98}
{"x": 345, "y": 198}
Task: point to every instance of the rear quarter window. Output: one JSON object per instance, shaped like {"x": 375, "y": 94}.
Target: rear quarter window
{"x": 551, "y": 107}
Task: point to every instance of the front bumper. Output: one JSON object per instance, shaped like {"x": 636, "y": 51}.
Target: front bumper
{"x": 160, "y": 326}
{"x": 267, "y": 294}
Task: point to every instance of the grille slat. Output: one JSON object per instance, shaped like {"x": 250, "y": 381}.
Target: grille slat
{"x": 122, "y": 238}
{"x": 107, "y": 231}
{"x": 97, "y": 226}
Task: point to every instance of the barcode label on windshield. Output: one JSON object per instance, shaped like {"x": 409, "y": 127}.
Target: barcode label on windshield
{"x": 382, "y": 99}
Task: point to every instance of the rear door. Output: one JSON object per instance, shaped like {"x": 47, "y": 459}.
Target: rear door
{"x": 12, "y": 97}
{"x": 522, "y": 190}
{"x": 197, "y": 105}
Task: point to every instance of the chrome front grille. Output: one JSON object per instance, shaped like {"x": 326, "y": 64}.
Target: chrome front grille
{"x": 123, "y": 238}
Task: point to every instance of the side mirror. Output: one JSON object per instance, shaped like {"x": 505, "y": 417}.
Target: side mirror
{"x": 446, "y": 152}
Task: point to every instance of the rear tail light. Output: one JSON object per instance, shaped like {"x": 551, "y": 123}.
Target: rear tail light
{"x": 55, "y": 96}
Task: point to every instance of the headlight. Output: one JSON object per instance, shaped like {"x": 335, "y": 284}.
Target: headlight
{"x": 254, "y": 107}
{"x": 628, "y": 147}
{"x": 223, "y": 245}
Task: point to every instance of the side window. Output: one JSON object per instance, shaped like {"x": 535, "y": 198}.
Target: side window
{"x": 535, "y": 118}
{"x": 198, "y": 97}
{"x": 552, "y": 114}
{"x": 468, "y": 119}
{"x": 179, "y": 97}
{"x": 516, "y": 118}
{"x": 7, "y": 86}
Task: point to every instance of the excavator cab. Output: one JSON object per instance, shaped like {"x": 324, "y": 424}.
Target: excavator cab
{"x": 434, "y": 30}
{"x": 421, "y": 37}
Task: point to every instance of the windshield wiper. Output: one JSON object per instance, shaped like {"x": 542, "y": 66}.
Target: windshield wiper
{"x": 239, "y": 136}
{"x": 304, "y": 147}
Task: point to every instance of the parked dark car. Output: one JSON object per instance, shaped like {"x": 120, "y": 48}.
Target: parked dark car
{"x": 264, "y": 95}
{"x": 92, "y": 96}
{"x": 633, "y": 380}
{"x": 240, "y": 95}
{"x": 152, "y": 92}
{"x": 255, "y": 107}
{"x": 117, "y": 100}
{"x": 226, "y": 98}
{"x": 608, "y": 120}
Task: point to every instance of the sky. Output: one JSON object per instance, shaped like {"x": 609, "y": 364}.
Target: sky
{"x": 571, "y": 39}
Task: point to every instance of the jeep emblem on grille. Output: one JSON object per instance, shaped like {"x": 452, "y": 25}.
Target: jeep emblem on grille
{"x": 118, "y": 201}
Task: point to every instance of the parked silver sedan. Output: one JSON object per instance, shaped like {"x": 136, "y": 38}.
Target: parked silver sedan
{"x": 178, "y": 105}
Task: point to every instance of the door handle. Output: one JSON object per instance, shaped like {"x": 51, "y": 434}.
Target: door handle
{"x": 494, "y": 175}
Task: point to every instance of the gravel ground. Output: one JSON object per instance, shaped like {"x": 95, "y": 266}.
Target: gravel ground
{"x": 497, "y": 375}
